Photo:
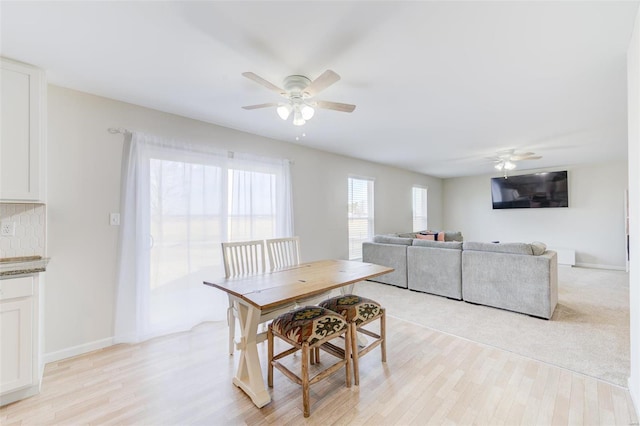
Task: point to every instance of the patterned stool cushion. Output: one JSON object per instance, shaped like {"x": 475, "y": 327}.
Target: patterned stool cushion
{"x": 354, "y": 308}
{"x": 309, "y": 324}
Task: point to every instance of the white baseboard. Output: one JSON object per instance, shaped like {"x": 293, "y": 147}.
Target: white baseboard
{"x": 598, "y": 266}
{"x": 77, "y": 350}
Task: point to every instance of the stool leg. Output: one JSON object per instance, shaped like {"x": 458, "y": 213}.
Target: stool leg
{"x": 383, "y": 335}
{"x": 305, "y": 379}
{"x": 354, "y": 352}
{"x": 270, "y": 356}
{"x": 347, "y": 357}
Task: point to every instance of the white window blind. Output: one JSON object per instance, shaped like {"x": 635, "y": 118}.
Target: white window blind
{"x": 360, "y": 215}
{"x": 419, "y": 208}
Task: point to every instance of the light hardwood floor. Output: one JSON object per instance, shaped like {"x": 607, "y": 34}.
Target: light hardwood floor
{"x": 429, "y": 378}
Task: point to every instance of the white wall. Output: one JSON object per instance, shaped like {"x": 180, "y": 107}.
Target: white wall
{"x": 633, "y": 87}
{"x": 592, "y": 225}
{"x": 83, "y": 181}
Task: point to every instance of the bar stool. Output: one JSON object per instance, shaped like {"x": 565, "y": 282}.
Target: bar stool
{"x": 307, "y": 329}
{"x": 360, "y": 311}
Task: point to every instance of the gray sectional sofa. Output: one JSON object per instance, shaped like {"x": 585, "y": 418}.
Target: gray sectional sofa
{"x": 515, "y": 276}
{"x": 518, "y": 277}
{"x": 435, "y": 267}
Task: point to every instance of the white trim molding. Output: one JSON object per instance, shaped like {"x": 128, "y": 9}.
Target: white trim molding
{"x": 77, "y": 350}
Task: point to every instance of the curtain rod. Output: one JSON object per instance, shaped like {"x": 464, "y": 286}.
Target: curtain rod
{"x": 116, "y": 130}
{"x": 123, "y": 131}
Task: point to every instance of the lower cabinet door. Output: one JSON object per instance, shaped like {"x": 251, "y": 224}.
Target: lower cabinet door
{"x": 16, "y": 350}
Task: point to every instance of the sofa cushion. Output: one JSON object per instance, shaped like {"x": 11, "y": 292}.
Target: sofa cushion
{"x": 454, "y": 245}
{"x": 511, "y": 248}
{"x": 453, "y": 236}
{"x": 385, "y": 239}
{"x": 538, "y": 248}
{"x": 407, "y": 235}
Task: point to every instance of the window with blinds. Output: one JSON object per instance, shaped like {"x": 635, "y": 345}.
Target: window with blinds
{"x": 419, "y": 208}
{"x": 360, "y": 215}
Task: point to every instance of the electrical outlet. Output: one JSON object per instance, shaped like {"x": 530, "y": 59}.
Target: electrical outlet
{"x": 8, "y": 229}
{"x": 114, "y": 219}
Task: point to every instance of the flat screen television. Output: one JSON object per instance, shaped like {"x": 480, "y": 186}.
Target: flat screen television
{"x": 536, "y": 190}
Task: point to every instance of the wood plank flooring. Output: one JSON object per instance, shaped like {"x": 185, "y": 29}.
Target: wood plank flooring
{"x": 429, "y": 378}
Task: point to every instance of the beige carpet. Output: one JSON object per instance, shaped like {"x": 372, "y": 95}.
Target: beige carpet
{"x": 588, "y": 333}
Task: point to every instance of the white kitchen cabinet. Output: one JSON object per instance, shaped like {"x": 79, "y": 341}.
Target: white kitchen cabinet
{"x": 20, "y": 371}
{"x": 23, "y": 132}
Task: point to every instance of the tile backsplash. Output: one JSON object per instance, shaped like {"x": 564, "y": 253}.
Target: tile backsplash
{"x": 27, "y": 223}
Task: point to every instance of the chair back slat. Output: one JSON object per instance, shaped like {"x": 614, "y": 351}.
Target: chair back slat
{"x": 283, "y": 252}
{"x": 243, "y": 258}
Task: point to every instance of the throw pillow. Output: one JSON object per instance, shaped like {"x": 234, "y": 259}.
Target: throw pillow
{"x": 538, "y": 248}
{"x": 453, "y": 236}
{"x": 430, "y": 237}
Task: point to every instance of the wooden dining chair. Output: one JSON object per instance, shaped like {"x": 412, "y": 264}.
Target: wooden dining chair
{"x": 283, "y": 252}
{"x": 241, "y": 259}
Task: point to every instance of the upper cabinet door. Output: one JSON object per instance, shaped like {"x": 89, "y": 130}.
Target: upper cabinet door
{"x": 23, "y": 132}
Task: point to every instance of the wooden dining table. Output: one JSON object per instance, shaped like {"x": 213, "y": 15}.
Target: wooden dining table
{"x": 262, "y": 297}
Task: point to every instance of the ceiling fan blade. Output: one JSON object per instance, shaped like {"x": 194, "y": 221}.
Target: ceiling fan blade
{"x": 265, "y": 83}
{"x": 529, "y": 156}
{"x": 272, "y": 104}
{"x": 521, "y": 156}
{"x": 325, "y": 80}
{"x": 335, "y": 106}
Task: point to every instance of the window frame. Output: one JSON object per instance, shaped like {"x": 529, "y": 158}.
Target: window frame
{"x": 355, "y": 241}
{"x": 424, "y": 219}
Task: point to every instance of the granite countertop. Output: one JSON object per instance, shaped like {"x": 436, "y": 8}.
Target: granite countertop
{"x": 20, "y": 266}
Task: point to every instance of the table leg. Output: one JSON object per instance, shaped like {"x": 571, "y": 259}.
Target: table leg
{"x": 249, "y": 374}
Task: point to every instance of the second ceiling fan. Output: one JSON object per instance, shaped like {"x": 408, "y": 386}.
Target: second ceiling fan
{"x": 299, "y": 92}
{"x": 506, "y": 160}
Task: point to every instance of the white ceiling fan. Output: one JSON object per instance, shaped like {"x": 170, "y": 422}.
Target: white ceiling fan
{"x": 299, "y": 92}
{"x": 506, "y": 160}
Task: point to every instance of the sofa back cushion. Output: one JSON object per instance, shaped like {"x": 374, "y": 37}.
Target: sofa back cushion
{"x": 408, "y": 235}
{"x": 511, "y": 248}
{"x": 453, "y": 236}
{"x": 448, "y": 235}
{"x": 453, "y": 245}
{"x": 386, "y": 239}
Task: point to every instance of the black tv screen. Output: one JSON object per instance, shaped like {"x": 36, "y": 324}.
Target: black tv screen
{"x": 537, "y": 190}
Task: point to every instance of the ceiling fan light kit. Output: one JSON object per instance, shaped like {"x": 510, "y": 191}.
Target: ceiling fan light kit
{"x": 284, "y": 110}
{"x": 298, "y": 91}
{"x": 506, "y": 160}
{"x": 505, "y": 165}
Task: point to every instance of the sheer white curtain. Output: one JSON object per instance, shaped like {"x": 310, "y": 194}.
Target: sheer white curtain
{"x": 179, "y": 201}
